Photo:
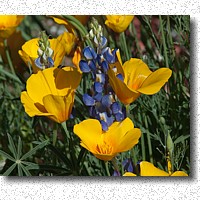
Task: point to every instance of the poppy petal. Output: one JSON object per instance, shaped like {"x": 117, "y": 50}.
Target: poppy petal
{"x": 179, "y": 173}
{"x": 88, "y": 131}
{"x": 58, "y": 50}
{"x": 59, "y": 106}
{"x": 41, "y": 84}
{"x": 67, "y": 78}
{"x": 31, "y": 108}
{"x": 118, "y": 130}
{"x": 155, "y": 81}
{"x": 125, "y": 94}
{"x": 148, "y": 169}
{"x": 129, "y": 140}
{"x": 68, "y": 41}
{"x": 129, "y": 174}
{"x": 136, "y": 71}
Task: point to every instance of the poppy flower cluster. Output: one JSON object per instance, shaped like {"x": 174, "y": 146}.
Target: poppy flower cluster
{"x": 109, "y": 131}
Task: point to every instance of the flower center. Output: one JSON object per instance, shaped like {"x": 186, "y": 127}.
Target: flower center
{"x": 137, "y": 83}
{"x": 104, "y": 148}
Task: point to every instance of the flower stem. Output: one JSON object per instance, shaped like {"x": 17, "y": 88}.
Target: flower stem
{"x": 115, "y": 165}
{"x": 146, "y": 19}
{"x": 10, "y": 75}
{"x": 10, "y": 62}
{"x": 143, "y": 147}
{"x": 77, "y": 24}
{"x": 135, "y": 160}
{"x": 149, "y": 141}
{"x": 170, "y": 37}
{"x": 107, "y": 169}
{"x": 164, "y": 43}
{"x": 65, "y": 129}
{"x": 127, "y": 111}
{"x": 125, "y": 45}
{"x": 134, "y": 33}
{"x": 8, "y": 57}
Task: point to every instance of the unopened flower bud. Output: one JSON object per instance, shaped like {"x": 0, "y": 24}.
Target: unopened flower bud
{"x": 170, "y": 144}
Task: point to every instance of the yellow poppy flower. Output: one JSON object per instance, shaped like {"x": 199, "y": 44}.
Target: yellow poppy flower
{"x": 118, "y": 23}
{"x": 120, "y": 137}
{"x": 51, "y": 93}
{"x": 61, "y": 46}
{"x": 129, "y": 174}
{"x": 68, "y": 40}
{"x": 8, "y": 24}
{"x": 148, "y": 169}
{"x": 82, "y": 18}
{"x": 60, "y": 20}
{"x": 138, "y": 78}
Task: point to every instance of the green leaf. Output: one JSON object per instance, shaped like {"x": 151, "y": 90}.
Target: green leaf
{"x": 19, "y": 148}
{"x": 20, "y": 173}
{"x": 12, "y": 146}
{"x": 30, "y": 165}
{"x": 26, "y": 171}
{"x": 81, "y": 155}
{"x": 54, "y": 137}
{"x": 2, "y": 164}
{"x": 60, "y": 155}
{"x": 181, "y": 138}
{"x": 4, "y": 154}
{"x": 32, "y": 151}
{"x": 10, "y": 169}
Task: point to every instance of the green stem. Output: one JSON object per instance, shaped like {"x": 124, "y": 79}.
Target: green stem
{"x": 134, "y": 159}
{"x": 77, "y": 24}
{"x": 54, "y": 137}
{"x": 10, "y": 63}
{"x": 149, "y": 141}
{"x": 122, "y": 159}
{"x": 164, "y": 43}
{"x": 143, "y": 147}
{"x": 128, "y": 111}
{"x": 150, "y": 147}
{"x": 15, "y": 78}
{"x": 8, "y": 57}
{"x": 125, "y": 48}
{"x": 125, "y": 45}
{"x": 65, "y": 129}
{"x": 115, "y": 165}
{"x": 152, "y": 33}
{"x": 107, "y": 169}
{"x": 133, "y": 32}
{"x": 170, "y": 36}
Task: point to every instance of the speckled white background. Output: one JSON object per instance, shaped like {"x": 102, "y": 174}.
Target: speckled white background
{"x": 115, "y": 187}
